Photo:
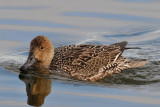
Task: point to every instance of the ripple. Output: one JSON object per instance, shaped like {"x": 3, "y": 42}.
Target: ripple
{"x": 34, "y": 23}
{"x": 122, "y": 17}
{"x": 22, "y": 7}
{"x": 138, "y": 0}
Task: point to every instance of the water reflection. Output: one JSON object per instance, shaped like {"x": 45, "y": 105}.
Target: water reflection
{"x": 37, "y": 88}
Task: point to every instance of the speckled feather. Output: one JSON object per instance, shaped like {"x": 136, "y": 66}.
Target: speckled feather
{"x": 90, "y": 62}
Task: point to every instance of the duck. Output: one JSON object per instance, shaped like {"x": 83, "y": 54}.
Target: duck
{"x": 83, "y": 62}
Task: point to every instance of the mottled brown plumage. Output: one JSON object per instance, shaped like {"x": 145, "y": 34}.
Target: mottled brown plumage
{"x": 92, "y": 62}
{"x": 86, "y": 62}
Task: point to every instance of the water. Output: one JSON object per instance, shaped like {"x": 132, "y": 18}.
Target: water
{"x": 76, "y": 22}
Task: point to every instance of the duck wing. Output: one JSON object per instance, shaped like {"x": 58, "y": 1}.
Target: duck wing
{"x": 85, "y": 61}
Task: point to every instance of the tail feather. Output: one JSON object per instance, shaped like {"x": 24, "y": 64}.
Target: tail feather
{"x": 124, "y": 63}
{"x": 137, "y": 63}
{"x": 121, "y": 45}
{"x": 132, "y": 48}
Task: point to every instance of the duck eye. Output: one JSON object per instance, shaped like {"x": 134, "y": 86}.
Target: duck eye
{"x": 42, "y": 47}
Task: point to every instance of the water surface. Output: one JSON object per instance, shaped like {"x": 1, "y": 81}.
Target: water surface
{"x": 80, "y": 22}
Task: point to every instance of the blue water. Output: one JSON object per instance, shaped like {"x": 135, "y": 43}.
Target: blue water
{"x": 121, "y": 17}
{"x": 22, "y": 7}
{"x": 33, "y": 23}
{"x": 13, "y": 91}
{"x": 138, "y": 0}
{"x": 80, "y": 22}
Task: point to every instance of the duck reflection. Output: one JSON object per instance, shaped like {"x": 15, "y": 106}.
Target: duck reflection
{"x": 37, "y": 88}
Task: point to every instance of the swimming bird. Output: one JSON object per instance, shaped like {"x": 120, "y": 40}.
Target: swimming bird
{"x": 84, "y": 62}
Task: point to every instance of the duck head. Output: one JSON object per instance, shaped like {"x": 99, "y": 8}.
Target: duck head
{"x": 41, "y": 53}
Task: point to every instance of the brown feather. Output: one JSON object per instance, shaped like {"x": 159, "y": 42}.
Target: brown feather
{"x": 89, "y": 62}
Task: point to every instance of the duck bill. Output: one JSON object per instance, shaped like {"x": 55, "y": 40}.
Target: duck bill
{"x": 30, "y": 61}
